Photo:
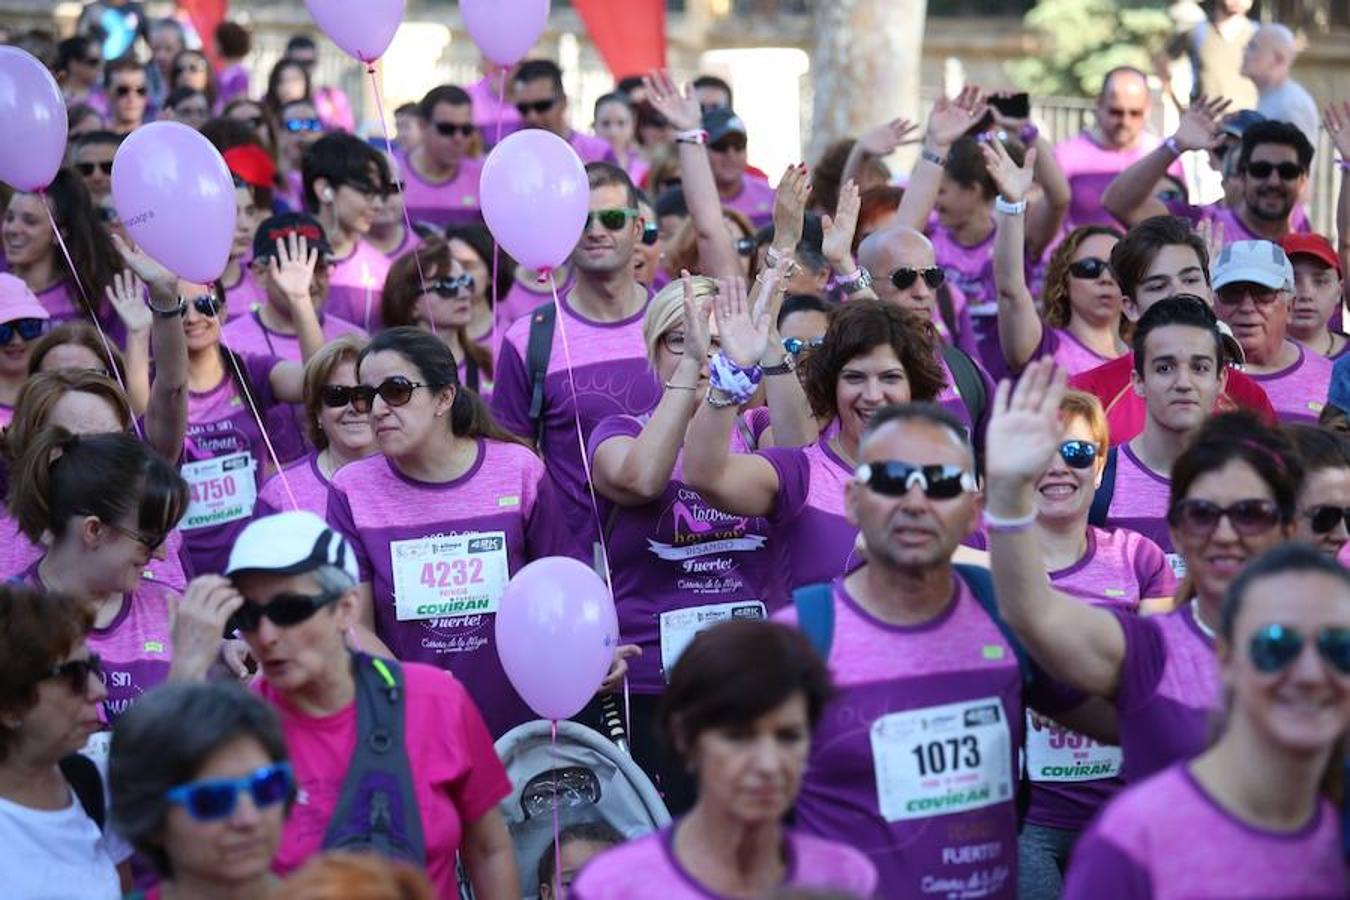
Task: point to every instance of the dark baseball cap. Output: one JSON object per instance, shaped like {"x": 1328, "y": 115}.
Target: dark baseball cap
{"x": 283, "y": 225}
{"x": 720, "y": 122}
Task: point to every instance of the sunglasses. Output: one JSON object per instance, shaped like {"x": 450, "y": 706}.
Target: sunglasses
{"x": 1199, "y": 518}
{"x": 451, "y": 287}
{"x": 76, "y": 672}
{"x": 1261, "y": 170}
{"x": 396, "y": 391}
{"x": 1233, "y": 295}
{"x": 731, "y": 145}
{"x": 28, "y": 329}
{"x": 195, "y": 65}
{"x": 151, "y": 542}
{"x": 745, "y": 246}
{"x": 87, "y": 168}
{"x": 904, "y": 278}
{"x": 1089, "y": 269}
{"x": 1275, "y": 647}
{"x": 1324, "y": 518}
{"x": 894, "y": 479}
{"x": 395, "y": 189}
{"x": 285, "y": 611}
{"x": 650, "y": 234}
{"x": 612, "y": 219}
{"x": 298, "y": 126}
{"x": 207, "y": 305}
{"x": 216, "y": 798}
{"x": 336, "y": 396}
{"x": 125, "y": 89}
{"x": 797, "y": 345}
{"x": 450, "y": 129}
{"x": 1078, "y": 454}
{"x": 538, "y": 107}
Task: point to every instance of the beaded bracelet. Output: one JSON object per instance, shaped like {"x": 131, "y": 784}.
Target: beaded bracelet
{"x": 737, "y": 383}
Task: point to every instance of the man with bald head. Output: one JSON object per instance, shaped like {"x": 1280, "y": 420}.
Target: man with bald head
{"x": 1118, "y": 139}
{"x": 1267, "y": 61}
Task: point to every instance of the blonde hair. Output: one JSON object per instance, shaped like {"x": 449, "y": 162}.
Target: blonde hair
{"x": 318, "y": 370}
{"x": 667, "y": 310}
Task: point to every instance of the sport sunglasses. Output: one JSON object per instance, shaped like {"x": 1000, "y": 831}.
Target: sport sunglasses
{"x": 28, "y": 329}
{"x": 1078, "y": 454}
{"x": 451, "y": 287}
{"x": 284, "y": 610}
{"x": 894, "y": 479}
{"x": 1275, "y": 647}
{"x": 613, "y": 219}
{"x": 215, "y": 799}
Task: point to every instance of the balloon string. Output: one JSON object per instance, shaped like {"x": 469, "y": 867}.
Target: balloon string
{"x": 89, "y": 307}
{"x": 407, "y": 217}
{"x": 557, "y": 835}
{"x": 496, "y": 248}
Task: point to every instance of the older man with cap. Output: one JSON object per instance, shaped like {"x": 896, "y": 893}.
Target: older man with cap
{"x": 1253, "y": 293}
{"x": 739, "y": 190}
{"x": 1316, "y": 319}
{"x": 438, "y": 780}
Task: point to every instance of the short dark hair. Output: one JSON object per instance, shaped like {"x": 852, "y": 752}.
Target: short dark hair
{"x": 451, "y": 94}
{"x": 162, "y": 741}
{"x": 1241, "y": 436}
{"x": 72, "y": 49}
{"x": 712, "y": 81}
{"x": 928, "y": 413}
{"x": 408, "y": 109}
{"x": 95, "y": 138}
{"x": 538, "y": 69}
{"x": 735, "y": 672}
{"x": 233, "y": 39}
{"x": 1273, "y": 131}
{"x": 1183, "y": 309}
{"x": 342, "y": 158}
{"x": 1289, "y": 557}
{"x": 593, "y": 832}
{"x": 37, "y": 630}
{"x": 1134, "y": 253}
{"x": 1319, "y": 448}
{"x": 797, "y": 303}
{"x": 126, "y": 63}
{"x": 628, "y": 84}
{"x": 965, "y": 165}
{"x": 603, "y": 174}
{"x": 300, "y": 42}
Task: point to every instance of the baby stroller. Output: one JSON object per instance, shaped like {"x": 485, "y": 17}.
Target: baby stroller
{"x": 595, "y": 779}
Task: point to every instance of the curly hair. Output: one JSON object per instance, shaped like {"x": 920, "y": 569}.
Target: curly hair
{"x": 1058, "y": 310}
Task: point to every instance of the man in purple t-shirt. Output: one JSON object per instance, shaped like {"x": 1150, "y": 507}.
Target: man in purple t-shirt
{"x": 727, "y": 142}
{"x": 441, "y": 178}
{"x": 543, "y": 104}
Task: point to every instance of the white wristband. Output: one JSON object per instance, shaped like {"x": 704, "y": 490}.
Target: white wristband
{"x": 695, "y": 136}
{"x": 1008, "y": 208}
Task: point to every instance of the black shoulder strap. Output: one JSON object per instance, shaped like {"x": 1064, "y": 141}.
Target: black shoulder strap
{"x": 969, "y": 384}
{"x": 471, "y": 378}
{"x": 981, "y": 584}
{"x": 1101, "y": 500}
{"x": 947, "y": 309}
{"x": 537, "y": 353}
{"x": 815, "y": 615}
{"x": 82, "y": 775}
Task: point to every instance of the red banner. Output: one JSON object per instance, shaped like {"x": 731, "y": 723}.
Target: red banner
{"x": 630, "y": 34}
{"x": 205, "y": 15}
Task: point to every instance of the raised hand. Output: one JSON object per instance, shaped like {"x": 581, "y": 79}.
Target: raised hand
{"x": 1336, "y": 120}
{"x": 744, "y": 333}
{"x": 127, "y": 295}
{"x": 951, "y": 119}
{"x": 680, "y": 108}
{"x": 837, "y": 245}
{"x": 148, "y": 270}
{"x": 882, "y": 140}
{"x": 697, "y": 331}
{"x": 789, "y": 207}
{"x": 199, "y": 621}
{"x": 1199, "y": 126}
{"x": 1025, "y": 425}
{"x": 293, "y": 267}
{"x": 1014, "y": 181}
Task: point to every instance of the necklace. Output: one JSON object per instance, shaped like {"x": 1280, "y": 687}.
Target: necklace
{"x": 1195, "y": 614}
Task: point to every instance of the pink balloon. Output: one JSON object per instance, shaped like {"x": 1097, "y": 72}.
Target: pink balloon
{"x": 175, "y": 196}
{"x": 535, "y": 197}
{"x": 504, "y": 30}
{"x": 556, "y": 633}
{"x": 33, "y": 120}
{"x": 362, "y": 28}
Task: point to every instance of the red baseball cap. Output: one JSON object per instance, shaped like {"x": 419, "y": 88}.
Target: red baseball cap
{"x": 251, "y": 165}
{"x": 1313, "y": 245}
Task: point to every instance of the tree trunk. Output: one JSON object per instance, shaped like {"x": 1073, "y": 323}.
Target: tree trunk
{"x": 865, "y": 64}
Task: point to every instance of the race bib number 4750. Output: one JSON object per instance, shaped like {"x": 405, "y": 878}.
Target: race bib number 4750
{"x": 222, "y": 489}
{"x": 453, "y": 575}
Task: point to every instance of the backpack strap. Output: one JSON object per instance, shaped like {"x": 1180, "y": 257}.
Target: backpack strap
{"x": 471, "y": 377}
{"x": 537, "y": 353}
{"x": 981, "y": 584}
{"x": 815, "y": 615}
{"x": 1101, "y": 500}
{"x": 83, "y": 777}
{"x": 969, "y": 384}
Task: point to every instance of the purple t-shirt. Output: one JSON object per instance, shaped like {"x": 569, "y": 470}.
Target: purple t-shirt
{"x": 438, "y": 556}
{"x": 1168, "y": 839}
{"x": 1140, "y": 500}
{"x": 453, "y": 202}
{"x": 490, "y": 112}
{"x": 971, "y": 269}
{"x": 1090, "y": 167}
{"x": 812, "y": 539}
{"x": 1233, "y": 227}
{"x": 1299, "y": 392}
{"x": 754, "y": 199}
{"x": 680, "y": 565}
{"x": 63, "y": 303}
{"x": 1169, "y": 690}
{"x": 307, "y": 485}
{"x": 646, "y": 867}
{"x": 1120, "y": 569}
{"x": 590, "y": 148}
{"x": 610, "y": 376}
{"x": 356, "y": 286}
{"x": 1067, "y": 351}
{"x": 248, "y": 334}
{"x": 243, "y": 294}
{"x": 233, "y": 83}
{"x": 524, "y": 297}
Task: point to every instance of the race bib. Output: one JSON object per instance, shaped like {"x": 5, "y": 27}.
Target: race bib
{"x": 679, "y": 626}
{"x": 942, "y": 760}
{"x": 449, "y": 576}
{"x": 1178, "y": 565}
{"x": 222, "y": 489}
{"x": 1054, "y": 753}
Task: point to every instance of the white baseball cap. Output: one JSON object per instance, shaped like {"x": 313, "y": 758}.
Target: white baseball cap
{"x": 1254, "y": 262}
{"x": 290, "y": 543}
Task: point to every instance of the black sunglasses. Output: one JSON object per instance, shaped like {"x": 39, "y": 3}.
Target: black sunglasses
{"x": 451, "y": 287}
{"x": 284, "y": 611}
{"x": 87, "y": 168}
{"x": 207, "y": 305}
{"x": 904, "y": 277}
{"x": 76, "y": 672}
{"x": 1090, "y": 269}
{"x": 214, "y": 799}
{"x": 125, "y": 89}
{"x": 336, "y": 396}
{"x": 650, "y": 234}
{"x": 1078, "y": 454}
{"x": 797, "y": 345}
{"x": 538, "y": 107}
{"x": 28, "y": 329}
{"x": 1288, "y": 171}
{"x": 894, "y": 479}
{"x": 151, "y": 542}
{"x": 1199, "y": 518}
{"x": 1274, "y": 647}
{"x": 612, "y": 219}
{"x": 450, "y": 129}
{"x": 1324, "y": 518}
{"x": 729, "y": 145}
{"x": 395, "y": 391}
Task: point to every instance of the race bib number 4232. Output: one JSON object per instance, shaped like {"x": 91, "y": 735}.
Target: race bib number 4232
{"x": 941, "y": 760}
{"x": 454, "y": 575}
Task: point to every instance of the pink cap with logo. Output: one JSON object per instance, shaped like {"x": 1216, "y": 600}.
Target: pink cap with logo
{"x": 17, "y": 301}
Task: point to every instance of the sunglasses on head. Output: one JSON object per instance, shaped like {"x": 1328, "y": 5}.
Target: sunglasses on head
{"x": 216, "y": 798}
{"x": 797, "y": 345}
{"x": 650, "y": 234}
{"x": 123, "y": 90}
{"x": 613, "y": 219}
{"x": 904, "y": 277}
{"x": 207, "y": 305}
{"x": 28, "y": 329}
{"x": 745, "y": 246}
{"x": 395, "y": 391}
{"x": 1325, "y": 518}
{"x": 451, "y": 287}
{"x": 284, "y": 611}
{"x": 297, "y": 126}
{"x": 89, "y": 168}
{"x": 1288, "y": 171}
{"x": 450, "y": 129}
{"x": 1275, "y": 647}
{"x": 1078, "y": 454}
{"x": 1090, "y": 269}
{"x": 538, "y": 107}
{"x": 894, "y": 479}
{"x": 1199, "y": 518}
{"x": 76, "y": 672}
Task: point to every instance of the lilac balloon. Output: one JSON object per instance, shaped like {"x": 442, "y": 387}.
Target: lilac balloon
{"x": 32, "y": 119}
{"x": 362, "y": 28}
{"x": 556, "y": 634}
{"x": 535, "y": 197}
{"x": 504, "y": 30}
{"x": 175, "y": 196}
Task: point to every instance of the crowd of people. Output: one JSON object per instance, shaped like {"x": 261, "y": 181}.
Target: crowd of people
{"x": 974, "y": 532}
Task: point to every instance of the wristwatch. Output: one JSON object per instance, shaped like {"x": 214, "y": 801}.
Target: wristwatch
{"x": 860, "y": 280}
{"x": 172, "y": 312}
{"x": 786, "y": 367}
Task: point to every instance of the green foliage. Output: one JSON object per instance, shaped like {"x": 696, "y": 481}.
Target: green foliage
{"x": 1081, "y": 40}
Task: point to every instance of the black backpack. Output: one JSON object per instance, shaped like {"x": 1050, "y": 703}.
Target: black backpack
{"x": 83, "y": 777}
{"x": 537, "y": 353}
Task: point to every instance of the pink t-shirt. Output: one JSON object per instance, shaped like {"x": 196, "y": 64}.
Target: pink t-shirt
{"x": 243, "y": 294}
{"x": 646, "y": 867}
{"x": 1141, "y": 499}
{"x": 1168, "y": 839}
{"x": 307, "y": 484}
{"x": 17, "y": 555}
{"x": 248, "y": 334}
{"x": 755, "y": 199}
{"x": 971, "y": 269}
{"x": 590, "y": 148}
{"x": 63, "y": 303}
{"x": 1090, "y": 167}
{"x": 634, "y": 164}
{"x": 6, "y": 414}
{"x": 1067, "y": 351}
{"x": 1299, "y": 392}
{"x": 490, "y": 113}
{"x": 455, "y": 771}
{"x": 356, "y": 286}
{"x": 525, "y": 296}
{"x": 453, "y": 202}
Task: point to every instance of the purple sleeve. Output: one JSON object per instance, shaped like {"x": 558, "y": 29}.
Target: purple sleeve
{"x": 341, "y": 519}
{"x": 1193, "y": 214}
{"x": 258, "y": 372}
{"x": 794, "y": 480}
{"x": 1048, "y": 345}
{"x": 1050, "y": 697}
{"x": 611, "y": 427}
{"x": 511, "y": 393}
{"x": 1098, "y": 870}
{"x": 1156, "y": 578}
{"x": 1145, "y": 659}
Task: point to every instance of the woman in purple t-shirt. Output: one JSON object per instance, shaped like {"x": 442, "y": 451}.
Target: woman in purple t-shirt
{"x": 1253, "y": 815}
{"x": 1233, "y": 497}
{"x": 743, "y": 702}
